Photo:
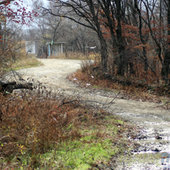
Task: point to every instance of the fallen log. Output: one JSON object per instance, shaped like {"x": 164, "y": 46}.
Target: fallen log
{"x": 8, "y": 87}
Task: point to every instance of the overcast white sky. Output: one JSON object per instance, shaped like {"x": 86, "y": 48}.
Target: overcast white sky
{"x": 29, "y": 3}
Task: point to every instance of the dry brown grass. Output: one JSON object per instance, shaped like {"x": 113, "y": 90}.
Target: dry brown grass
{"x": 33, "y": 124}
{"x": 77, "y": 55}
{"x": 12, "y": 59}
{"x": 36, "y": 123}
{"x": 10, "y": 51}
{"x": 129, "y": 87}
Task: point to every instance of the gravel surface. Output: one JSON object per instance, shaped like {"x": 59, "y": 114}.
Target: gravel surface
{"x": 154, "y": 121}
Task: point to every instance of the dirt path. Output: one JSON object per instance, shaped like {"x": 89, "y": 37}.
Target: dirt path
{"x": 151, "y": 117}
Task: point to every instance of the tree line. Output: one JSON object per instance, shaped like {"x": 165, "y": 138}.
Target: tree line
{"x": 134, "y": 35}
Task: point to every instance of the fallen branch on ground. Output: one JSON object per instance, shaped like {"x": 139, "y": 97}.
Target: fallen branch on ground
{"x": 10, "y": 86}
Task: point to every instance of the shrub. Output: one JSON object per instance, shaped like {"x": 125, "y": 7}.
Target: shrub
{"x": 32, "y": 125}
{"x": 41, "y": 131}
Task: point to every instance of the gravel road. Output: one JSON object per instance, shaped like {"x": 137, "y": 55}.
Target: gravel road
{"x": 154, "y": 121}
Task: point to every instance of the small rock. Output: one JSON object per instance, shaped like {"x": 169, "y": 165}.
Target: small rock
{"x": 158, "y": 137}
{"x": 156, "y": 150}
{"x": 88, "y": 84}
{"x": 142, "y": 137}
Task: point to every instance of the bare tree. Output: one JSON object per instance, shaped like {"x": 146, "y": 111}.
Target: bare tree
{"x": 166, "y": 62}
{"x": 85, "y": 13}
{"x": 114, "y": 15}
{"x": 156, "y": 11}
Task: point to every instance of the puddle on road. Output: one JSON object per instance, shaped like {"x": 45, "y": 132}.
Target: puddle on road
{"x": 152, "y": 142}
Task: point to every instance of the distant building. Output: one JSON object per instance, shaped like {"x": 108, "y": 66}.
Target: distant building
{"x": 31, "y": 47}
{"x": 44, "y": 51}
{"x": 55, "y": 48}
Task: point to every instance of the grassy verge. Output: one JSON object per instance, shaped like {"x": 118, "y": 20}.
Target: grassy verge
{"x": 25, "y": 62}
{"x": 21, "y": 63}
{"x": 40, "y": 132}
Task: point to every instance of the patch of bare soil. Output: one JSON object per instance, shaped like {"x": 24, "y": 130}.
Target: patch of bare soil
{"x": 151, "y": 118}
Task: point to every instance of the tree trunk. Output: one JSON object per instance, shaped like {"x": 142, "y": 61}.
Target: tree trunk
{"x": 165, "y": 66}
{"x": 103, "y": 44}
{"x": 104, "y": 53}
{"x": 121, "y": 65}
{"x": 145, "y": 59}
{"x": 142, "y": 39}
{"x": 121, "y": 48}
{"x": 166, "y": 62}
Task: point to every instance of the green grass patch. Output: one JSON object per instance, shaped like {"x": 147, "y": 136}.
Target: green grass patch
{"x": 76, "y": 154}
{"x": 38, "y": 134}
{"x": 25, "y": 63}
{"x": 79, "y": 154}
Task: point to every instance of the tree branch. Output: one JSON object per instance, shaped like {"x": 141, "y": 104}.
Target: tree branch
{"x": 5, "y": 2}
